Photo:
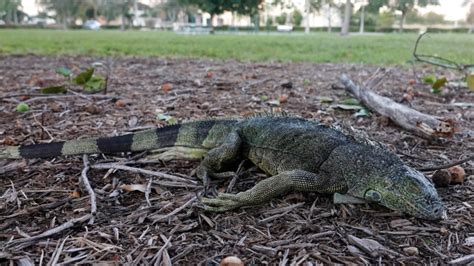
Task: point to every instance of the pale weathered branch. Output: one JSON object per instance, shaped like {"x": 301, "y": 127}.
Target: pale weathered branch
{"x": 421, "y": 124}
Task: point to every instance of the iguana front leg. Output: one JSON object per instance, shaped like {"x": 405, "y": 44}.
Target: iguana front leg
{"x": 216, "y": 158}
{"x": 271, "y": 187}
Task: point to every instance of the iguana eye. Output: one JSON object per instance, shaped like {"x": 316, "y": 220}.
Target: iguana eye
{"x": 372, "y": 195}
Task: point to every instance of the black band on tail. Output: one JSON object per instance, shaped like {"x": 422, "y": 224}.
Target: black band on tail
{"x": 43, "y": 150}
{"x": 115, "y": 144}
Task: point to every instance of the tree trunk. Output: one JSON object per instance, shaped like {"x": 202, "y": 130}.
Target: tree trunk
{"x": 8, "y": 17}
{"x": 64, "y": 22}
{"x": 135, "y": 13}
{"x": 123, "y": 10}
{"x": 330, "y": 18}
{"x": 122, "y": 25}
{"x": 306, "y": 14}
{"x": 402, "y": 21}
{"x": 362, "y": 19}
{"x": 347, "y": 18}
{"x": 211, "y": 23}
{"x": 15, "y": 16}
{"x": 256, "y": 18}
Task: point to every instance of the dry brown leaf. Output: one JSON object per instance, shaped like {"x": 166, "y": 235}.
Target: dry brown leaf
{"x": 167, "y": 87}
{"x": 134, "y": 187}
{"x": 457, "y": 174}
{"x": 411, "y": 251}
{"x": 231, "y": 261}
{"x": 75, "y": 194}
{"x": 120, "y": 104}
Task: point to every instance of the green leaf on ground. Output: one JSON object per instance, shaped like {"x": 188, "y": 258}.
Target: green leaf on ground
{"x": 347, "y": 106}
{"x": 429, "y": 79}
{"x": 436, "y": 87}
{"x": 324, "y": 99}
{"x": 364, "y": 112}
{"x": 351, "y": 101}
{"x": 22, "y": 108}
{"x": 274, "y": 102}
{"x": 84, "y": 77}
{"x": 64, "y": 71}
{"x": 95, "y": 84}
{"x": 167, "y": 118}
{"x": 470, "y": 81}
{"x": 54, "y": 90}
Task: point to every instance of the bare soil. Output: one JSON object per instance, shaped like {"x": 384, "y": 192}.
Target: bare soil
{"x": 297, "y": 228}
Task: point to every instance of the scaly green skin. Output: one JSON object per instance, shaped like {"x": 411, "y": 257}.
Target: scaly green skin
{"x": 298, "y": 154}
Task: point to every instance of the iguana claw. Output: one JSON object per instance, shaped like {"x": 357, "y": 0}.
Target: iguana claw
{"x": 223, "y": 202}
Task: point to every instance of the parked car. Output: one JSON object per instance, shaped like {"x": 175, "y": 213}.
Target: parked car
{"x": 41, "y": 21}
{"x": 91, "y": 25}
{"x": 284, "y": 28}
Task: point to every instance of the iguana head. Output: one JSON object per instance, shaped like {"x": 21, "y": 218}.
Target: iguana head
{"x": 404, "y": 189}
{"x": 379, "y": 176}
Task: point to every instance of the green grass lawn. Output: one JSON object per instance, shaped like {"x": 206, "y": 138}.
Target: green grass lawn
{"x": 388, "y": 48}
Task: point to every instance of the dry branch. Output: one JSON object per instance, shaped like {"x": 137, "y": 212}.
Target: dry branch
{"x": 26, "y": 242}
{"x": 87, "y": 184}
{"x": 424, "y": 125}
{"x": 142, "y": 171}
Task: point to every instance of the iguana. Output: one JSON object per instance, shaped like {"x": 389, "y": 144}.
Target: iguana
{"x": 296, "y": 153}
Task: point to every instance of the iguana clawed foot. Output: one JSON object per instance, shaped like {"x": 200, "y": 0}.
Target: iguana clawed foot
{"x": 223, "y": 202}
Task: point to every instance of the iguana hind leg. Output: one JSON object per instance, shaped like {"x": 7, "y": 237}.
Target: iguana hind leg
{"x": 218, "y": 157}
{"x": 271, "y": 187}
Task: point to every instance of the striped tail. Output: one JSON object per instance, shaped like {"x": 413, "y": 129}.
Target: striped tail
{"x": 204, "y": 134}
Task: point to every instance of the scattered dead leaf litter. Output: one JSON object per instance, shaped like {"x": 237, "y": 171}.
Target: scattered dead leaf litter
{"x": 167, "y": 227}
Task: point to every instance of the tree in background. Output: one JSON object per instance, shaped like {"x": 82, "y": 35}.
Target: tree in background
{"x": 285, "y": 6}
{"x": 118, "y": 8}
{"x": 171, "y": 9}
{"x": 347, "y": 18}
{"x": 66, "y": 10}
{"x": 330, "y": 5}
{"x": 281, "y": 19}
{"x": 9, "y": 11}
{"x": 297, "y": 17}
{"x": 362, "y": 16}
{"x": 248, "y": 8}
{"x": 470, "y": 14}
{"x": 404, "y": 6}
{"x": 217, "y": 7}
{"x": 374, "y": 6}
{"x": 310, "y": 7}
{"x": 213, "y": 7}
{"x": 385, "y": 20}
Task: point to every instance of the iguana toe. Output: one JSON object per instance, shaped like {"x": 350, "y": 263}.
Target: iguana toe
{"x": 223, "y": 202}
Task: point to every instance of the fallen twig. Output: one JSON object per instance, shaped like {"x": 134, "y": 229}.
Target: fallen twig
{"x": 159, "y": 254}
{"x": 434, "y": 168}
{"x": 47, "y": 97}
{"x": 57, "y": 252}
{"x": 26, "y": 242}
{"x": 421, "y": 124}
{"x": 462, "y": 260}
{"x": 437, "y": 60}
{"x": 157, "y": 218}
{"x": 141, "y": 171}
{"x": 148, "y": 191}
{"x": 91, "y": 192}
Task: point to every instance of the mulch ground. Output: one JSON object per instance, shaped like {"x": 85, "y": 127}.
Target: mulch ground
{"x": 144, "y": 220}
